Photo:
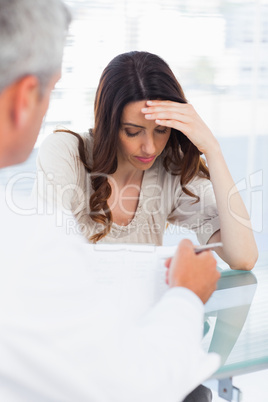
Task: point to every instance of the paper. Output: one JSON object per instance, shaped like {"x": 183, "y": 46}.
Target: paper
{"x": 132, "y": 277}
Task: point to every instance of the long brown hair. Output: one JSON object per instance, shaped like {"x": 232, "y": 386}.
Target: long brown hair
{"x": 132, "y": 77}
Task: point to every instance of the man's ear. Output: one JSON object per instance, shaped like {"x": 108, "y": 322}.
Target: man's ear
{"x": 26, "y": 96}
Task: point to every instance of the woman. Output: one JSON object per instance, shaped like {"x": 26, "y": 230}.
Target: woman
{"x": 141, "y": 166}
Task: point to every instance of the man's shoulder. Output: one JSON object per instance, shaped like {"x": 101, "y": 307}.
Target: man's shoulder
{"x": 25, "y": 238}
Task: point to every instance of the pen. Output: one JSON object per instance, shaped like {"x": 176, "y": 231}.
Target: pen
{"x": 199, "y": 249}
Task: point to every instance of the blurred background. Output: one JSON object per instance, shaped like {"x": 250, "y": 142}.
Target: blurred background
{"x": 218, "y": 50}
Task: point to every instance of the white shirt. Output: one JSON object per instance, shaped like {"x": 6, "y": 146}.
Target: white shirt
{"x": 59, "y": 341}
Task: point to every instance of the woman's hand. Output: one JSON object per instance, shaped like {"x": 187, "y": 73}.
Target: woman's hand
{"x": 182, "y": 117}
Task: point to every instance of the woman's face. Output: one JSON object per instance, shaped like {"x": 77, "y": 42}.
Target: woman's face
{"x": 141, "y": 141}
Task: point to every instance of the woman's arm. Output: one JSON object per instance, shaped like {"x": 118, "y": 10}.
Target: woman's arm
{"x": 239, "y": 246}
{"x": 239, "y": 250}
{"x": 58, "y": 169}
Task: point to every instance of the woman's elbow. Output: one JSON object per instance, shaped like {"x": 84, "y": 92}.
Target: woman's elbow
{"x": 246, "y": 262}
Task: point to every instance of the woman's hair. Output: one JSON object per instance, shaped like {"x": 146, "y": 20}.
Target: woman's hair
{"x": 132, "y": 77}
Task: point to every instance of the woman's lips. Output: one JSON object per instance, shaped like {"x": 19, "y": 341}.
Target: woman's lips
{"x": 145, "y": 160}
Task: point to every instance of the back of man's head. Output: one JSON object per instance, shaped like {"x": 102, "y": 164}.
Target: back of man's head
{"x": 32, "y": 34}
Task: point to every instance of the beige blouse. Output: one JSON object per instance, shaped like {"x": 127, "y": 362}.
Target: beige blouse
{"x": 63, "y": 181}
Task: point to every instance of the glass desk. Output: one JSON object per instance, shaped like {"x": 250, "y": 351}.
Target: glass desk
{"x": 236, "y": 324}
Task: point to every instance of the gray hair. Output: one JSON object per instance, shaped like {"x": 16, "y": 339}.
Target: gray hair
{"x": 32, "y": 37}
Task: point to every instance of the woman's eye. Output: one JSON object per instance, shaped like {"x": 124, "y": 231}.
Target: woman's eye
{"x": 132, "y": 133}
{"x": 161, "y": 130}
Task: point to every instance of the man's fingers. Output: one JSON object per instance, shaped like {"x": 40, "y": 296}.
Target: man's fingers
{"x": 168, "y": 262}
{"x": 167, "y": 277}
{"x": 185, "y": 247}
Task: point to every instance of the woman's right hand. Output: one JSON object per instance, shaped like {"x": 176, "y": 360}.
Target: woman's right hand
{"x": 182, "y": 117}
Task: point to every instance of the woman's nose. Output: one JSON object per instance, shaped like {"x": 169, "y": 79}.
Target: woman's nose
{"x": 148, "y": 145}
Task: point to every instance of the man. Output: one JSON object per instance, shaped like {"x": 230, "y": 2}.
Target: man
{"x": 59, "y": 341}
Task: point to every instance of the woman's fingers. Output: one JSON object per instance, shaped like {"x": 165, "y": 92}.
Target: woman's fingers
{"x": 178, "y": 125}
{"x": 156, "y": 103}
{"x": 168, "y": 115}
{"x": 166, "y": 110}
{"x": 172, "y": 107}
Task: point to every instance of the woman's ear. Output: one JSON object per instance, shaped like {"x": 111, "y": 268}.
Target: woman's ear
{"x": 26, "y": 97}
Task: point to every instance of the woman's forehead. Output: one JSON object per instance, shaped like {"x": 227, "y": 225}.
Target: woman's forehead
{"x": 133, "y": 109}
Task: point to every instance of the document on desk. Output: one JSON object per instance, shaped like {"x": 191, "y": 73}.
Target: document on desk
{"x": 130, "y": 276}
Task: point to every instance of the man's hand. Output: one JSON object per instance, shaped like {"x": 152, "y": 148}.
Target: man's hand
{"x": 196, "y": 272}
